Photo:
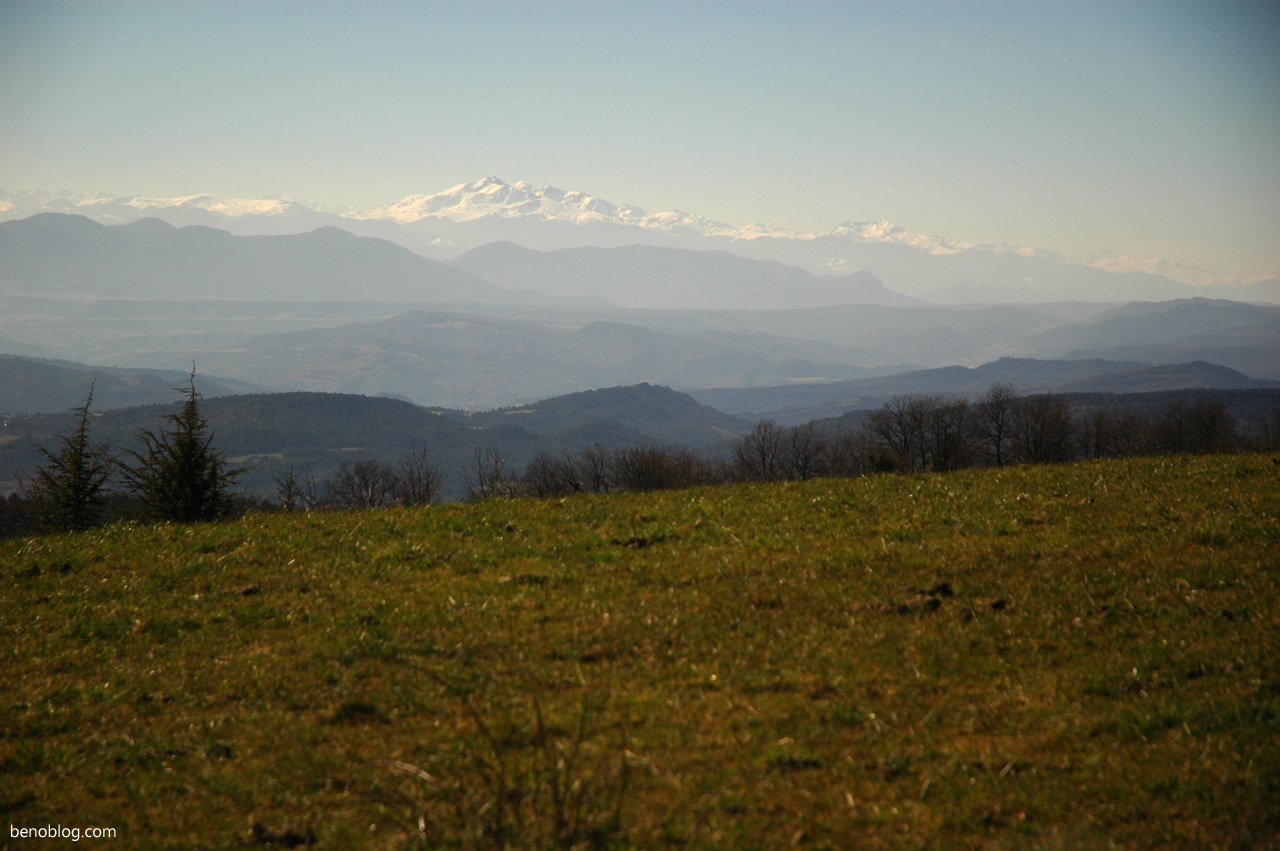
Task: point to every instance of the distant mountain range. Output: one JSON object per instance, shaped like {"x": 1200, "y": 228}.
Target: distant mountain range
{"x": 476, "y": 362}
{"x": 446, "y": 224}
{"x": 655, "y": 277}
{"x": 77, "y": 301}
{"x": 62, "y": 255}
{"x": 330, "y": 311}
{"x": 795, "y": 404}
{"x": 54, "y": 254}
{"x": 1242, "y": 336}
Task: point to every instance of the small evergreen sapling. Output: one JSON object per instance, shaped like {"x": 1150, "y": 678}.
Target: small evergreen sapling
{"x": 179, "y": 475}
{"x": 69, "y": 490}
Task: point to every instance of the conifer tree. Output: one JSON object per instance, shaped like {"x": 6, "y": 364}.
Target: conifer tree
{"x": 179, "y": 475}
{"x": 69, "y": 490}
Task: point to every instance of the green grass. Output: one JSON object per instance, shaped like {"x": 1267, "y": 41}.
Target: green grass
{"x": 718, "y": 668}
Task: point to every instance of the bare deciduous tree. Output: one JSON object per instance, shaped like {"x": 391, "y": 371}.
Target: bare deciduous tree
{"x": 758, "y": 454}
{"x": 804, "y": 452}
{"x": 487, "y": 476}
{"x": 365, "y": 484}
{"x": 848, "y": 452}
{"x": 992, "y": 420}
{"x": 546, "y": 475}
{"x": 421, "y": 478}
{"x": 646, "y": 467}
{"x": 594, "y": 469}
{"x": 1041, "y": 430}
{"x": 1210, "y": 428}
{"x": 948, "y": 427}
{"x": 898, "y": 430}
{"x": 1096, "y": 434}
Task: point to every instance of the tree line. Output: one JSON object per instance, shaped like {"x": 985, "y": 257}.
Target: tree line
{"x": 931, "y": 433}
{"x": 179, "y": 475}
{"x": 909, "y": 433}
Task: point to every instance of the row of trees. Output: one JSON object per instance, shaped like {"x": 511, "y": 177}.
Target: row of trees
{"x": 912, "y": 433}
{"x": 177, "y": 475}
{"x": 418, "y": 480}
{"x": 596, "y": 469}
{"x": 1001, "y": 427}
{"x": 916, "y": 433}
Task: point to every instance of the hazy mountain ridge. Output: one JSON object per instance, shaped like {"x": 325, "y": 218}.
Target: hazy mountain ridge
{"x": 480, "y": 362}
{"x": 655, "y": 277}
{"x": 445, "y": 224}
{"x": 1241, "y": 336}
{"x": 485, "y": 346}
{"x": 477, "y": 362}
{"x": 791, "y": 403}
{"x": 53, "y": 254}
{"x": 35, "y": 386}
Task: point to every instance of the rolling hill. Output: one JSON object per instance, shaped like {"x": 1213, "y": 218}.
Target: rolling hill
{"x": 655, "y": 413}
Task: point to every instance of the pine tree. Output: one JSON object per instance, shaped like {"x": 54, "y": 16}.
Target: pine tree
{"x": 179, "y": 475}
{"x": 69, "y": 490}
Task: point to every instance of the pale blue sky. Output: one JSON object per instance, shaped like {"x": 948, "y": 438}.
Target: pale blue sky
{"x": 1143, "y": 128}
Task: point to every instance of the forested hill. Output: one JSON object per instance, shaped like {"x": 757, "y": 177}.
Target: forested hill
{"x": 658, "y": 412}
{"x": 317, "y": 431}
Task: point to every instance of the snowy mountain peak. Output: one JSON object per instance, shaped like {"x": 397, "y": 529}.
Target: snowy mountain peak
{"x": 882, "y": 229}
{"x": 493, "y": 197}
{"x": 886, "y": 231}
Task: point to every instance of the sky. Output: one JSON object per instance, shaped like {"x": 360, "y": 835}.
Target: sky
{"x": 1130, "y": 128}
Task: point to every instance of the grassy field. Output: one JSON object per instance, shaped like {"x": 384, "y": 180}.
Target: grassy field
{"x": 1065, "y": 657}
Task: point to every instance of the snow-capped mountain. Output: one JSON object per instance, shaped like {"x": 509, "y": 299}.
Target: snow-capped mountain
{"x": 488, "y": 198}
{"x": 491, "y": 197}
{"x": 446, "y": 224}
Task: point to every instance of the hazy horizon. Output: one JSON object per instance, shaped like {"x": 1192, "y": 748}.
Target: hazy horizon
{"x": 1129, "y": 129}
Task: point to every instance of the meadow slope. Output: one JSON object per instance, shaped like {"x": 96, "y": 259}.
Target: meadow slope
{"x": 1056, "y": 657}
